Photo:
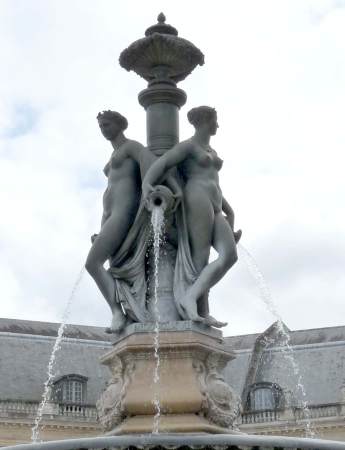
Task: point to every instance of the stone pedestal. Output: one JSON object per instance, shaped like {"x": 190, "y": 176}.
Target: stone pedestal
{"x": 192, "y": 393}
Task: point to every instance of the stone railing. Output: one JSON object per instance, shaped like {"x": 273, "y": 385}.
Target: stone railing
{"x": 18, "y": 409}
{"x": 319, "y": 411}
{"x": 260, "y": 416}
{"x": 294, "y": 414}
{"x": 12, "y": 409}
{"x": 75, "y": 410}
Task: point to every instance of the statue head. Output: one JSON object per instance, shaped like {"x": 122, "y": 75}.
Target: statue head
{"x": 204, "y": 117}
{"x": 111, "y": 124}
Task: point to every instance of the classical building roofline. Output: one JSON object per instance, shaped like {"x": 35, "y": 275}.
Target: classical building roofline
{"x": 240, "y": 342}
{"x": 297, "y": 337}
{"x": 17, "y": 326}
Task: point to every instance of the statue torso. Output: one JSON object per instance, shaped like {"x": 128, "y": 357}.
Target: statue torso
{"x": 123, "y": 175}
{"x": 200, "y": 171}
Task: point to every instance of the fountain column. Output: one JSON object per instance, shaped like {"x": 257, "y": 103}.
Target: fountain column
{"x": 162, "y": 101}
{"x": 163, "y": 59}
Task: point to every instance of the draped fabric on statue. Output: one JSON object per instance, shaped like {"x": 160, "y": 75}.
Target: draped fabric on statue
{"x": 128, "y": 269}
{"x": 185, "y": 272}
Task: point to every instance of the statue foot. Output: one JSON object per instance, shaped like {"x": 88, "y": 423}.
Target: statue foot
{"x": 212, "y": 322}
{"x": 118, "y": 322}
{"x": 197, "y": 318}
{"x": 188, "y": 306}
{"x": 237, "y": 235}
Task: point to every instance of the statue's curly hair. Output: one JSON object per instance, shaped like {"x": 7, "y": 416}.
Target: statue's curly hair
{"x": 200, "y": 114}
{"x": 113, "y": 115}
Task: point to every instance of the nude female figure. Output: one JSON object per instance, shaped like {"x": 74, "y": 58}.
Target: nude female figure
{"x": 199, "y": 165}
{"x": 120, "y": 205}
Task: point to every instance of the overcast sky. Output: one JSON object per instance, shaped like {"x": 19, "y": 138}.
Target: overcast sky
{"x": 274, "y": 70}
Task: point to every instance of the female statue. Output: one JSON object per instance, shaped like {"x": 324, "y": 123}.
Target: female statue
{"x": 128, "y": 163}
{"x": 120, "y": 205}
{"x": 203, "y": 201}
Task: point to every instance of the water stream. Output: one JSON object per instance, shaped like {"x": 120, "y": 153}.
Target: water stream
{"x": 157, "y": 221}
{"x": 50, "y": 371}
{"x": 286, "y": 347}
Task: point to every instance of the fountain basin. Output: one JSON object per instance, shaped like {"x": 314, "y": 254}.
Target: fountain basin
{"x": 172, "y": 441}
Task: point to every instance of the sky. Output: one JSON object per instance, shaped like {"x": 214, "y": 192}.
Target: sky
{"x": 275, "y": 72}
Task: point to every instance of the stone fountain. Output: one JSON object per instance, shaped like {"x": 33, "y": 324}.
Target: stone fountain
{"x": 182, "y": 180}
{"x": 166, "y": 388}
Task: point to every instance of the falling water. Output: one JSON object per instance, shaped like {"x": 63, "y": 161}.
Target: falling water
{"x": 286, "y": 347}
{"x": 50, "y": 370}
{"x": 157, "y": 221}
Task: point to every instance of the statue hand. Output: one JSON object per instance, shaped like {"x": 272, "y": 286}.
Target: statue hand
{"x": 178, "y": 198}
{"x": 93, "y": 237}
{"x": 237, "y": 235}
{"x": 147, "y": 189}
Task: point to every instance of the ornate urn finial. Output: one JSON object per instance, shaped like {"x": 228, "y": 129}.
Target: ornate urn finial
{"x": 161, "y": 18}
{"x": 161, "y": 51}
{"x": 161, "y": 27}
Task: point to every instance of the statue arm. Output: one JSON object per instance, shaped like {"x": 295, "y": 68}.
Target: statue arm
{"x": 230, "y": 217}
{"x": 161, "y": 166}
{"x": 133, "y": 151}
{"x": 174, "y": 185}
{"x": 229, "y": 212}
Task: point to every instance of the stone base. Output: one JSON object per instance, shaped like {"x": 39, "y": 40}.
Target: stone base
{"x": 168, "y": 423}
{"x": 192, "y": 393}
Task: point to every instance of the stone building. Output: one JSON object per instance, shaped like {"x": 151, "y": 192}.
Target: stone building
{"x": 267, "y": 374}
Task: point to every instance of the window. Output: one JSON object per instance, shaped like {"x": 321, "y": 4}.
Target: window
{"x": 264, "y": 396}
{"x": 70, "y": 389}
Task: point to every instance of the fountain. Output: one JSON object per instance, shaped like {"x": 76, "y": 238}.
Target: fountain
{"x": 286, "y": 348}
{"x": 157, "y": 221}
{"x": 166, "y": 388}
{"x": 51, "y": 364}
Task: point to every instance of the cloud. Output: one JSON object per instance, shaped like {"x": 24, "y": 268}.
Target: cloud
{"x": 276, "y": 77}
{"x": 21, "y": 122}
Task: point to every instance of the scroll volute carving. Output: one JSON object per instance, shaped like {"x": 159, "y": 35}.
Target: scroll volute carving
{"x": 110, "y": 407}
{"x": 221, "y": 403}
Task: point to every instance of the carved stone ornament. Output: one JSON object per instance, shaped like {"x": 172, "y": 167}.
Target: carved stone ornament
{"x": 161, "y": 54}
{"x": 221, "y": 404}
{"x": 110, "y": 409}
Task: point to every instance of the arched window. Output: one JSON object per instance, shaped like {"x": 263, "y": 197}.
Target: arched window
{"x": 70, "y": 389}
{"x": 264, "y": 396}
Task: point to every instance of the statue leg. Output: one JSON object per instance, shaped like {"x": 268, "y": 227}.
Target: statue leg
{"x": 104, "y": 245}
{"x": 224, "y": 243}
{"x": 203, "y": 306}
{"x": 199, "y": 219}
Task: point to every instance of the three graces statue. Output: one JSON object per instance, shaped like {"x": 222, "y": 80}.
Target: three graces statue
{"x": 201, "y": 218}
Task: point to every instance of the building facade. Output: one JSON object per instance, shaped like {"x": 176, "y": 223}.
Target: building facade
{"x": 289, "y": 382}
